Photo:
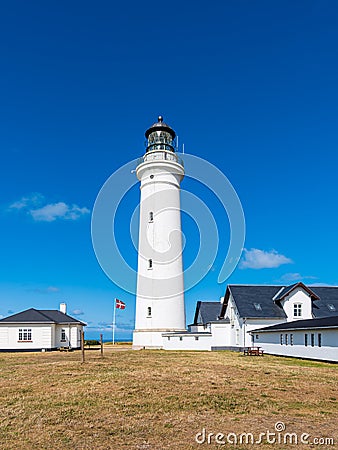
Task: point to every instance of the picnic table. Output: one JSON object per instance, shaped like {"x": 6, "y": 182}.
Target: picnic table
{"x": 253, "y": 351}
{"x": 65, "y": 348}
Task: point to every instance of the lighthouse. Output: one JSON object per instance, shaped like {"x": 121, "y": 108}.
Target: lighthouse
{"x": 160, "y": 285}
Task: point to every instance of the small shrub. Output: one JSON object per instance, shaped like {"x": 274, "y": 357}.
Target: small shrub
{"x": 90, "y": 342}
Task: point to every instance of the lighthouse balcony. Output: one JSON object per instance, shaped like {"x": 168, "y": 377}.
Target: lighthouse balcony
{"x": 160, "y": 155}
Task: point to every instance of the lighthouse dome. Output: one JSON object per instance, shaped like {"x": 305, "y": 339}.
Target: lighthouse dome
{"x": 160, "y": 136}
{"x": 160, "y": 126}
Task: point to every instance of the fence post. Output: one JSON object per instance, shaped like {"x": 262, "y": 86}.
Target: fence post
{"x": 82, "y": 347}
{"x": 101, "y": 343}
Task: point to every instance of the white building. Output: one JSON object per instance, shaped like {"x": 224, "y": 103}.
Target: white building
{"x": 160, "y": 314}
{"x": 310, "y": 338}
{"x": 229, "y": 324}
{"x": 160, "y": 287}
{"x": 35, "y": 329}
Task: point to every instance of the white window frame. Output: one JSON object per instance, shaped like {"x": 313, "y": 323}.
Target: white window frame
{"x": 297, "y": 310}
{"x": 25, "y": 335}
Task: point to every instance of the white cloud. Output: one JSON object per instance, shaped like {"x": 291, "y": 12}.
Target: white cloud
{"x": 78, "y": 312}
{"x": 295, "y": 276}
{"x": 121, "y": 327}
{"x": 54, "y": 211}
{"x": 49, "y": 213}
{"x": 32, "y": 200}
{"x": 261, "y": 259}
{"x": 35, "y": 205}
{"x": 53, "y": 289}
{"x": 47, "y": 290}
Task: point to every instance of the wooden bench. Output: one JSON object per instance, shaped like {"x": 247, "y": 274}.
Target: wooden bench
{"x": 253, "y": 351}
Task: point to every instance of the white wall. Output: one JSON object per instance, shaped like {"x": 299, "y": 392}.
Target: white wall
{"x": 217, "y": 336}
{"x": 198, "y": 328}
{"x": 160, "y": 288}
{"x": 147, "y": 339}
{"x": 270, "y": 343}
{"x": 188, "y": 342}
{"x": 76, "y": 336}
{"x": 41, "y": 337}
{"x": 297, "y": 296}
{"x": 221, "y": 334}
{"x": 72, "y": 333}
{"x": 239, "y": 331}
{"x": 254, "y": 324}
{"x": 235, "y": 338}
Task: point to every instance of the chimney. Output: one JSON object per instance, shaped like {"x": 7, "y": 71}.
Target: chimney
{"x": 63, "y": 308}
{"x": 221, "y": 299}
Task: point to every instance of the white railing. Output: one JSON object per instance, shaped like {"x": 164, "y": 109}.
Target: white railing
{"x": 160, "y": 155}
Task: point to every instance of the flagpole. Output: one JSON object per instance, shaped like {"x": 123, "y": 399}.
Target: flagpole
{"x": 114, "y": 321}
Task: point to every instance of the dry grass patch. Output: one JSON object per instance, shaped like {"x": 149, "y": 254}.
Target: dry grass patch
{"x": 158, "y": 400}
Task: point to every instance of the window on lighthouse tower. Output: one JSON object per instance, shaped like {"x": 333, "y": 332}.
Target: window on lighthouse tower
{"x": 150, "y": 263}
{"x": 149, "y": 311}
{"x": 151, "y": 216}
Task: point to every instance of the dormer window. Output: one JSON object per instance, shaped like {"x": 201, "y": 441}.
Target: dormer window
{"x": 297, "y": 310}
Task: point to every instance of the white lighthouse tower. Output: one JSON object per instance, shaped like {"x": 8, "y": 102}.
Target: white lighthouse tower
{"x": 160, "y": 287}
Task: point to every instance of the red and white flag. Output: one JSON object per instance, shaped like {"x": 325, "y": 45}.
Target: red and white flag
{"x": 119, "y": 304}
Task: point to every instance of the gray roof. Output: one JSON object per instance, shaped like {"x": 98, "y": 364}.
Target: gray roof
{"x": 256, "y": 301}
{"x": 226, "y": 320}
{"x": 287, "y": 289}
{"x": 283, "y": 291}
{"x": 327, "y": 305}
{"x": 41, "y": 316}
{"x": 322, "y": 322}
{"x": 207, "y": 312}
{"x": 247, "y": 299}
{"x": 261, "y": 302}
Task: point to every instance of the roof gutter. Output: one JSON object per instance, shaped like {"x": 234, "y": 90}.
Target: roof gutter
{"x": 323, "y": 327}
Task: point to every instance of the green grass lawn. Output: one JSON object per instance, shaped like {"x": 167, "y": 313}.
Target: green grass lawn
{"x": 160, "y": 400}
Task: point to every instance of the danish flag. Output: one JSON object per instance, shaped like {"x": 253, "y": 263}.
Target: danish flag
{"x": 119, "y": 304}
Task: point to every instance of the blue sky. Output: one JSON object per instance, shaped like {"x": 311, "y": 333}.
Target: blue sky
{"x": 249, "y": 86}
